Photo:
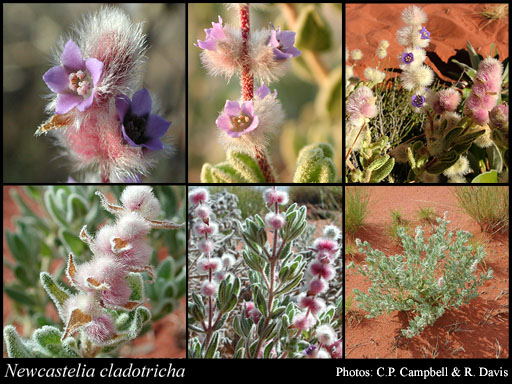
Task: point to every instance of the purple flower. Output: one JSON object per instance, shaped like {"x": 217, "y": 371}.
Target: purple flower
{"x": 237, "y": 119}
{"x": 264, "y": 91}
{"x": 408, "y": 58}
{"x": 282, "y": 42}
{"x": 309, "y": 350}
{"x": 75, "y": 80}
{"x": 213, "y": 35}
{"x": 418, "y": 101}
{"x": 140, "y": 127}
{"x": 425, "y": 35}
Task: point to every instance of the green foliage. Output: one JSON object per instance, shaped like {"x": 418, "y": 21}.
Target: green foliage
{"x": 315, "y": 164}
{"x": 356, "y": 208}
{"x": 427, "y": 214}
{"x": 239, "y": 168}
{"x": 312, "y": 31}
{"x": 487, "y": 205}
{"x": 430, "y": 278}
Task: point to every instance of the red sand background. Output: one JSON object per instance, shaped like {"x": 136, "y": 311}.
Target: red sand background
{"x": 450, "y": 25}
{"x": 169, "y": 333}
{"x": 476, "y": 330}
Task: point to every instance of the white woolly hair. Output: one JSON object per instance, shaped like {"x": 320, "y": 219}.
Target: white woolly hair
{"x": 225, "y": 60}
{"x": 264, "y": 66}
{"x": 419, "y": 58}
{"x": 414, "y": 15}
{"x": 140, "y": 198}
{"x": 270, "y": 114}
{"x": 409, "y": 36}
{"x": 460, "y": 168}
{"x": 485, "y": 140}
{"x": 416, "y": 79}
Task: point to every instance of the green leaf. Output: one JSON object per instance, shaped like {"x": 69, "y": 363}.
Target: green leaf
{"x": 246, "y": 166}
{"x": 486, "y": 177}
{"x": 328, "y": 103}
{"x": 212, "y": 346}
{"x": 220, "y": 173}
{"x": 136, "y": 283}
{"x": 315, "y": 165}
{"x": 165, "y": 269}
{"x": 381, "y": 173}
{"x": 58, "y": 294}
{"x": 313, "y": 32}
{"x": 71, "y": 242}
{"x": 14, "y": 345}
{"x": 19, "y": 296}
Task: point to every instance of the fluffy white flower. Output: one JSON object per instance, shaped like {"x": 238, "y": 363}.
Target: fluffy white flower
{"x": 414, "y": 15}
{"x": 417, "y": 79}
{"x": 460, "y": 168}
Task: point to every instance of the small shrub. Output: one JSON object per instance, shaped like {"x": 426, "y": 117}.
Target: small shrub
{"x": 430, "y": 278}
{"x": 427, "y": 215}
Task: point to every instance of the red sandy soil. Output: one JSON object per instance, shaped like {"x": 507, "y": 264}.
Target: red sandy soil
{"x": 167, "y": 339}
{"x": 479, "y": 329}
{"x": 450, "y": 25}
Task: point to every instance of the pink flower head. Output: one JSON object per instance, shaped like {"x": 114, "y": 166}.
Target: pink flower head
{"x": 273, "y": 196}
{"x": 203, "y": 212}
{"x": 336, "y": 349}
{"x": 101, "y": 329}
{"x": 317, "y": 286}
{"x": 326, "y": 334}
{"x": 75, "y": 80}
{"x": 205, "y": 265}
{"x": 213, "y": 35}
{"x": 275, "y": 220}
{"x": 264, "y": 91}
{"x": 314, "y": 304}
{"x": 101, "y": 273}
{"x": 220, "y": 275}
{"x": 303, "y": 321}
{"x": 282, "y": 43}
{"x": 140, "y": 127}
{"x": 474, "y": 266}
{"x": 198, "y": 196}
{"x": 361, "y": 104}
{"x": 201, "y": 229}
{"x": 489, "y": 73}
{"x": 136, "y": 256}
{"x": 323, "y": 270}
{"x": 140, "y": 199}
{"x": 249, "y": 306}
{"x": 237, "y": 119}
{"x": 499, "y": 115}
{"x": 324, "y": 244}
{"x": 206, "y": 246}
{"x": 208, "y": 288}
{"x": 446, "y": 100}
{"x": 131, "y": 226}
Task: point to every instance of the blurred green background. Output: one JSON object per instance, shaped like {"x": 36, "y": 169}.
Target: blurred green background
{"x": 30, "y": 32}
{"x": 299, "y": 92}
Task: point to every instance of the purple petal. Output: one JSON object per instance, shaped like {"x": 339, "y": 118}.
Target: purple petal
{"x": 232, "y": 108}
{"x": 207, "y": 44}
{"x": 287, "y": 39}
{"x": 133, "y": 180}
{"x": 57, "y": 79}
{"x": 95, "y": 67}
{"x": 86, "y": 103}
{"x": 156, "y": 126}
{"x": 293, "y": 51}
{"x": 153, "y": 144}
{"x": 66, "y": 102}
{"x": 71, "y": 180}
{"x": 122, "y": 106}
{"x": 253, "y": 126}
{"x": 248, "y": 108}
{"x": 262, "y": 91}
{"x": 217, "y": 32}
{"x": 72, "y": 57}
{"x": 224, "y": 123}
{"x": 141, "y": 103}
{"x": 127, "y": 138}
{"x": 273, "y": 39}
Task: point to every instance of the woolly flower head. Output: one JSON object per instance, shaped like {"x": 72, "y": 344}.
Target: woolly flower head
{"x": 417, "y": 79}
{"x": 331, "y": 232}
{"x": 411, "y": 58}
{"x": 414, "y": 15}
{"x": 275, "y": 220}
{"x": 381, "y": 52}
{"x": 198, "y": 196}
{"x": 141, "y": 199}
{"x": 374, "y": 75}
{"x": 206, "y": 246}
{"x": 205, "y": 265}
{"x": 441, "y": 282}
{"x": 208, "y": 288}
{"x": 314, "y": 304}
{"x": 411, "y": 36}
{"x": 446, "y": 100}
{"x": 303, "y": 321}
{"x": 361, "y": 105}
{"x": 248, "y": 124}
{"x": 326, "y": 334}
{"x": 356, "y": 54}
{"x": 228, "y": 260}
{"x": 498, "y": 117}
{"x": 272, "y": 196}
{"x": 460, "y": 168}
{"x": 384, "y": 44}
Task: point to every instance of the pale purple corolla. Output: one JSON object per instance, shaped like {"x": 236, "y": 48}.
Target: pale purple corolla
{"x": 75, "y": 80}
{"x": 282, "y": 42}
{"x": 140, "y": 127}
{"x": 237, "y": 119}
{"x": 213, "y": 35}
{"x": 264, "y": 91}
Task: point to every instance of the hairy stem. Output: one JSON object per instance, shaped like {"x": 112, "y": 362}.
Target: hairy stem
{"x": 247, "y": 79}
{"x": 264, "y": 164}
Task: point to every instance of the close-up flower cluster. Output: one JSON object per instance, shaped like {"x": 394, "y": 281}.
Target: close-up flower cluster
{"x": 433, "y": 122}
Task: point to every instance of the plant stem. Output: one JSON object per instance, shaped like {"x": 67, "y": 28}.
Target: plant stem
{"x": 355, "y": 141}
{"x": 247, "y": 79}
{"x": 264, "y": 164}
